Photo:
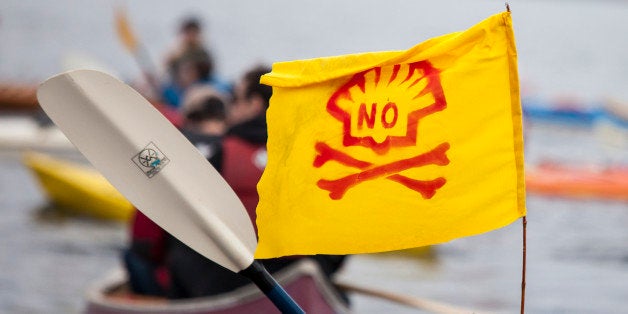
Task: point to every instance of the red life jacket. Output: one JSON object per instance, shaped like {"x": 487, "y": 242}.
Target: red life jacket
{"x": 149, "y": 236}
{"x": 243, "y": 164}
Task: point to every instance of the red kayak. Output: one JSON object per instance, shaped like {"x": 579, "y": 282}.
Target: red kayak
{"x": 557, "y": 180}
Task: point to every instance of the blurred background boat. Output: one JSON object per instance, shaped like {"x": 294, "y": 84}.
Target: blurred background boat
{"x": 578, "y": 182}
{"x": 18, "y": 96}
{"x": 31, "y": 132}
{"x": 561, "y": 111}
{"x": 78, "y": 189}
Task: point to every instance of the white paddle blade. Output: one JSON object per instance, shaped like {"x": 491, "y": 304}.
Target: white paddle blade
{"x": 151, "y": 163}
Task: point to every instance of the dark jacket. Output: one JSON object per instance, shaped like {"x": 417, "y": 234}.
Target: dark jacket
{"x": 242, "y": 161}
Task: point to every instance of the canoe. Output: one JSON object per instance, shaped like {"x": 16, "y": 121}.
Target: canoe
{"x": 78, "y": 189}
{"x": 566, "y": 181}
{"x": 23, "y": 98}
{"x": 24, "y": 132}
{"x": 18, "y": 97}
{"x": 303, "y": 280}
{"x": 564, "y": 115}
{"x": 576, "y": 114}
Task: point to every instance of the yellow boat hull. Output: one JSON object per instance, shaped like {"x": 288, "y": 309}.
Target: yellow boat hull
{"x": 77, "y": 188}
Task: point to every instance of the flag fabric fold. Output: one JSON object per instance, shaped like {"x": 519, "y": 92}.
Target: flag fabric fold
{"x": 390, "y": 150}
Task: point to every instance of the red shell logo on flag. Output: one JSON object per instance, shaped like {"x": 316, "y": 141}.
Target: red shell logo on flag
{"x": 381, "y": 109}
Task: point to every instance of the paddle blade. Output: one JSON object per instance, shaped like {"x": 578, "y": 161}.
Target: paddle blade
{"x": 151, "y": 163}
{"x": 125, "y": 34}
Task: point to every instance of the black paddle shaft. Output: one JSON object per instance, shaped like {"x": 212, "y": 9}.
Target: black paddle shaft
{"x": 265, "y": 282}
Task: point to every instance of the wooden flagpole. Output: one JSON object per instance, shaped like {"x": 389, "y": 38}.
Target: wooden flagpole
{"x": 523, "y": 267}
{"x": 524, "y": 253}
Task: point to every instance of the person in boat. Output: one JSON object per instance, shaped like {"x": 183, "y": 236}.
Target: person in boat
{"x": 190, "y": 45}
{"x": 145, "y": 259}
{"x": 205, "y": 125}
{"x": 195, "y": 98}
{"x": 190, "y": 63}
{"x": 243, "y": 161}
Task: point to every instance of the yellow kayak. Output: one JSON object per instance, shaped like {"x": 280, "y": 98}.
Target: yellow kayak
{"x": 77, "y": 188}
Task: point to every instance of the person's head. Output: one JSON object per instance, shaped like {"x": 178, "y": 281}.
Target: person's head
{"x": 190, "y": 30}
{"x": 209, "y": 117}
{"x": 251, "y": 98}
{"x": 191, "y": 70}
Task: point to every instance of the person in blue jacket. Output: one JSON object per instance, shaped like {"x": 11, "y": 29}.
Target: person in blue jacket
{"x": 190, "y": 63}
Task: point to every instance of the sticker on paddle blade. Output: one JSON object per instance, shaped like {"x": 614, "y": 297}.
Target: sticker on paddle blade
{"x": 150, "y": 160}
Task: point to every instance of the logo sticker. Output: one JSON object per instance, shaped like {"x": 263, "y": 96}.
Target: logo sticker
{"x": 151, "y": 160}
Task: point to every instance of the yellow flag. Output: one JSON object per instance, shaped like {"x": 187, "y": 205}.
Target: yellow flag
{"x": 391, "y": 150}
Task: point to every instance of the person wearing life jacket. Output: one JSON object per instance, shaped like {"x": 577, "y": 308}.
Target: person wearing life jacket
{"x": 243, "y": 161}
{"x": 146, "y": 258}
{"x": 244, "y": 145}
{"x": 205, "y": 125}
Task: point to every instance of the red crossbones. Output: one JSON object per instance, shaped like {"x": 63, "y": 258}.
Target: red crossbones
{"x": 338, "y": 187}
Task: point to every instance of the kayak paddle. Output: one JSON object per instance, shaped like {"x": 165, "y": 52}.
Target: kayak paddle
{"x": 135, "y": 48}
{"x": 158, "y": 170}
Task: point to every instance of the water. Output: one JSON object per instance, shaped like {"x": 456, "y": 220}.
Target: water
{"x": 577, "y": 253}
{"x": 47, "y": 260}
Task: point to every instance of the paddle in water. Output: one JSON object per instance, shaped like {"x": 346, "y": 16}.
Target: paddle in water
{"x": 158, "y": 170}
